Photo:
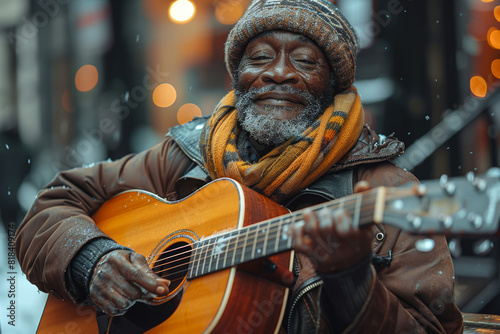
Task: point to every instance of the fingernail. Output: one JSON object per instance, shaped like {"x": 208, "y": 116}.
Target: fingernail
{"x": 163, "y": 281}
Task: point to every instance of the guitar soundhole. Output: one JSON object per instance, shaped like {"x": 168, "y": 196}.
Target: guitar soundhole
{"x": 173, "y": 264}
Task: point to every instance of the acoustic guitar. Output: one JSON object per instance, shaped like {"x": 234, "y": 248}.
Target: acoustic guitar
{"x": 227, "y": 251}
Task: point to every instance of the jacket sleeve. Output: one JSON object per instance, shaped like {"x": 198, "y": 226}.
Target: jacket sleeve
{"x": 59, "y": 222}
{"x": 414, "y": 294}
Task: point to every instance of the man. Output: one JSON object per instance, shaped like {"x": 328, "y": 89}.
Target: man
{"x": 291, "y": 130}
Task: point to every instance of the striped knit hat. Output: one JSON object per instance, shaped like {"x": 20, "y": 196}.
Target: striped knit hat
{"x": 319, "y": 20}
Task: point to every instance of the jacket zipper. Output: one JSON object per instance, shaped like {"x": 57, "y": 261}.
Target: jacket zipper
{"x": 296, "y": 300}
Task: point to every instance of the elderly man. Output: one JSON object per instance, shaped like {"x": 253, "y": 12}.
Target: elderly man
{"x": 292, "y": 130}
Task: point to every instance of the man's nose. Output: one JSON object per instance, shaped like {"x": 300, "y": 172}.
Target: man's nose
{"x": 281, "y": 71}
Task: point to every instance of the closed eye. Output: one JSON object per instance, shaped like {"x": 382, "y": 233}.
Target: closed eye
{"x": 305, "y": 61}
{"x": 261, "y": 58}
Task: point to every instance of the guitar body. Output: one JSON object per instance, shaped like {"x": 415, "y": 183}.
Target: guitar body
{"x": 227, "y": 301}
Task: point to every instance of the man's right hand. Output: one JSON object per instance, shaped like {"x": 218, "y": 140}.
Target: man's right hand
{"x": 121, "y": 278}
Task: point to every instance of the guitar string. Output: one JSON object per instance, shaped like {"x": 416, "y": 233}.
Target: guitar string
{"x": 193, "y": 261}
{"x": 203, "y": 254}
{"x": 347, "y": 205}
{"x": 273, "y": 222}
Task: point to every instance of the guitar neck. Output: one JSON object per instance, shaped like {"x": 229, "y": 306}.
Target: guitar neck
{"x": 272, "y": 236}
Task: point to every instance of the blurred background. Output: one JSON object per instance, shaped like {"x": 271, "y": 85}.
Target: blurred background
{"x": 85, "y": 81}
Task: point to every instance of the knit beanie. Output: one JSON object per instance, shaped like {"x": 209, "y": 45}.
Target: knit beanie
{"x": 319, "y": 20}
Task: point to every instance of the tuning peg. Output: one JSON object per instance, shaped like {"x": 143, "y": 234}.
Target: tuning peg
{"x": 483, "y": 247}
{"x": 446, "y": 222}
{"x": 421, "y": 190}
{"x": 478, "y": 183}
{"x": 448, "y": 187}
{"x": 476, "y": 220}
{"x": 493, "y": 172}
{"x": 455, "y": 248}
{"x": 415, "y": 221}
{"x": 470, "y": 177}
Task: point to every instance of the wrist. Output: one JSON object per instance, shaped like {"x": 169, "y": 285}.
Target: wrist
{"x": 83, "y": 263}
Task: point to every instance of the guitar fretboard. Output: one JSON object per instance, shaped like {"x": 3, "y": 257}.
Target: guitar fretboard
{"x": 266, "y": 238}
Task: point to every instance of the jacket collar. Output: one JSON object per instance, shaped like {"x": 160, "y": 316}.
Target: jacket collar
{"x": 370, "y": 148}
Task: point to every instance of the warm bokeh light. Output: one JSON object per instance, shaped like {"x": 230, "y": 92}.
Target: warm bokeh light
{"x": 496, "y": 11}
{"x": 494, "y": 38}
{"x": 66, "y": 101}
{"x": 228, "y": 12}
{"x": 187, "y": 112}
{"x": 182, "y": 11}
{"x": 86, "y": 78}
{"x": 164, "y": 95}
{"x": 487, "y": 0}
{"x": 478, "y": 86}
{"x": 495, "y": 68}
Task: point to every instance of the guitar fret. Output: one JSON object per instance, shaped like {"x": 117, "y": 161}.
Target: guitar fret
{"x": 259, "y": 241}
{"x": 266, "y": 237}
{"x": 221, "y": 246}
{"x": 357, "y": 211}
{"x": 194, "y": 262}
{"x": 255, "y": 230}
{"x": 244, "y": 248}
{"x": 236, "y": 242}
{"x": 202, "y": 256}
{"x": 216, "y": 261}
{"x": 341, "y": 204}
{"x": 286, "y": 237}
{"x": 206, "y": 255}
{"x": 228, "y": 249}
{"x": 276, "y": 243}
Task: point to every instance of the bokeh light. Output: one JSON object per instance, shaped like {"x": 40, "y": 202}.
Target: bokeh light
{"x": 495, "y": 68}
{"x": 228, "y": 12}
{"x": 493, "y": 38}
{"x": 187, "y": 112}
{"x": 164, "y": 95}
{"x": 182, "y": 11}
{"x": 496, "y": 11}
{"x": 487, "y": 0}
{"x": 478, "y": 86}
{"x": 86, "y": 78}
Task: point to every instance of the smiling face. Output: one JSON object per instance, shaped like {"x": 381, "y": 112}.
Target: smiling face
{"x": 282, "y": 86}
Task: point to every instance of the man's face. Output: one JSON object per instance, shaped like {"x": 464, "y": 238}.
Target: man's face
{"x": 283, "y": 85}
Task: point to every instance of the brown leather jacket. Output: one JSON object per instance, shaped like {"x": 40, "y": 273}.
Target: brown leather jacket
{"x": 412, "y": 295}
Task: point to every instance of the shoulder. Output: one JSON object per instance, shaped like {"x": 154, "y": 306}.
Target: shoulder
{"x": 187, "y": 136}
{"x": 385, "y": 173}
{"x": 370, "y": 148}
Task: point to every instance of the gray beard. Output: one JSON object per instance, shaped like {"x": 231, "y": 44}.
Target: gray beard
{"x": 269, "y": 131}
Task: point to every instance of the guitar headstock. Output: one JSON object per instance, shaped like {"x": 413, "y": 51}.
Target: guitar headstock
{"x": 452, "y": 206}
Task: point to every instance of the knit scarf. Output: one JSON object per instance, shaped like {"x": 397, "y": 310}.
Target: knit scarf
{"x": 291, "y": 166}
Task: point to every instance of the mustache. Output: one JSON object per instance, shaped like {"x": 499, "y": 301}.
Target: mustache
{"x": 253, "y": 92}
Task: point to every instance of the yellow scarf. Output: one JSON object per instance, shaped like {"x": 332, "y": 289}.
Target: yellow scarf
{"x": 293, "y": 165}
